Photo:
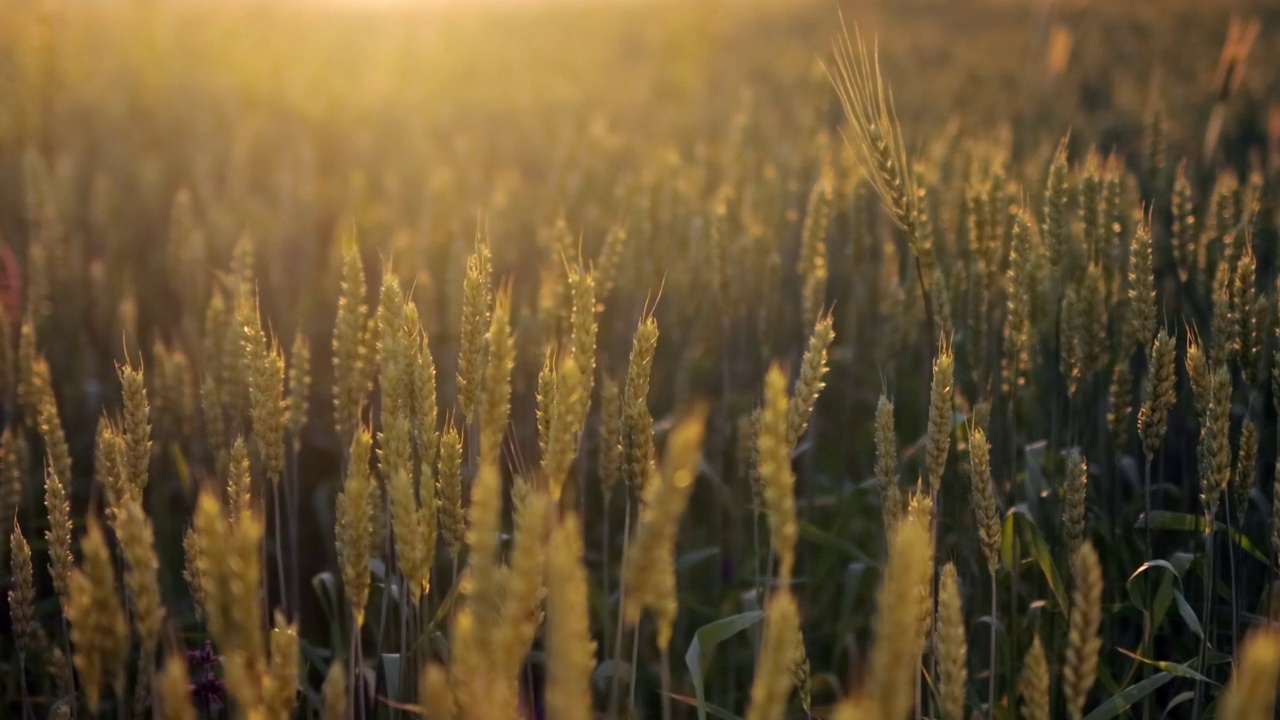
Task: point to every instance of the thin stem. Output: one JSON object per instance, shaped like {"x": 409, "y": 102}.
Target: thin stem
{"x": 635, "y": 658}
{"x": 279, "y": 534}
{"x": 991, "y": 682}
{"x": 1208, "y": 606}
{"x": 27, "y": 713}
{"x": 604, "y": 579}
{"x": 291, "y": 501}
{"x": 1231, "y": 565}
{"x": 615, "y": 689}
{"x": 1148, "y": 599}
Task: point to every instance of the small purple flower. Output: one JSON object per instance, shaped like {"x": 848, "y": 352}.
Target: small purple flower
{"x": 207, "y": 690}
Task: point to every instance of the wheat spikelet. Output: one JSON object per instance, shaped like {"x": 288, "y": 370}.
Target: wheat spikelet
{"x": 986, "y": 506}
{"x": 1184, "y": 231}
{"x": 137, "y": 427}
{"x": 410, "y": 532}
{"x": 58, "y": 506}
{"x": 1071, "y": 337}
{"x": 280, "y": 685}
{"x": 453, "y": 521}
{"x": 1158, "y": 394}
{"x": 477, "y": 307}
{"x": 22, "y": 596}
{"x": 637, "y": 423}
{"x": 887, "y": 462}
{"x": 356, "y": 505}
{"x": 299, "y": 387}
{"x": 1018, "y": 281}
{"x": 773, "y": 681}
{"x": 99, "y": 629}
{"x": 195, "y": 570}
{"x": 567, "y": 419}
{"x": 1262, "y": 320}
{"x": 495, "y": 397}
{"x": 239, "y": 325}
{"x": 1080, "y": 664}
{"x": 607, "y": 262}
{"x": 1074, "y": 500}
{"x": 394, "y": 378}
{"x": 570, "y": 649}
{"x": 240, "y": 498}
{"x": 901, "y": 603}
{"x": 1214, "y": 451}
{"x": 352, "y": 361}
{"x": 215, "y": 428}
{"x": 649, "y": 579}
{"x": 1246, "y": 466}
{"x": 812, "y": 263}
{"x": 1242, "y": 298}
{"x": 267, "y": 402}
{"x": 1226, "y": 330}
{"x": 173, "y": 690}
{"x": 55, "y": 440}
{"x": 1120, "y": 401}
{"x": 1251, "y": 693}
{"x": 333, "y": 693}
{"x": 610, "y": 462}
{"x": 237, "y": 627}
{"x": 137, "y": 545}
{"x": 1033, "y": 683}
{"x": 777, "y": 481}
{"x": 423, "y": 411}
{"x": 1198, "y": 373}
{"x": 873, "y": 132}
{"x": 941, "y": 404}
{"x": 953, "y": 654}
{"x": 583, "y": 326}
{"x": 813, "y": 367}
{"x": 524, "y": 586}
{"x": 1092, "y": 345}
{"x": 13, "y": 463}
{"x": 1057, "y": 197}
{"x": 1142, "y": 291}
{"x": 545, "y": 398}
{"x": 1090, "y": 188}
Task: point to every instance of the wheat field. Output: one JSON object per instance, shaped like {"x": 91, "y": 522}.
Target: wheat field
{"x": 653, "y": 359}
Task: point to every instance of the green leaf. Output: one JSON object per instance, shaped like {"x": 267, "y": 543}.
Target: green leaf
{"x": 1187, "y": 522}
{"x": 391, "y": 670}
{"x": 703, "y": 647}
{"x": 1188, "y": 615}
{"x": 1177, "y": 700}
{"x": 1164, "y": 592}
{"x": 1018, "y": 519}
{"x": 1123, "y": 700}
{"x": 1172, "y": 668}
{"x": 693, "y": 557}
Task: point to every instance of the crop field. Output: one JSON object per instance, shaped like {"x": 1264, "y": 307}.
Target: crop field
{"x": 847, "y": 359}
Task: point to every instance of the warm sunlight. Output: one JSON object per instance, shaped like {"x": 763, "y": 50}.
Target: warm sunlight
{"x": 639, "y": 359}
